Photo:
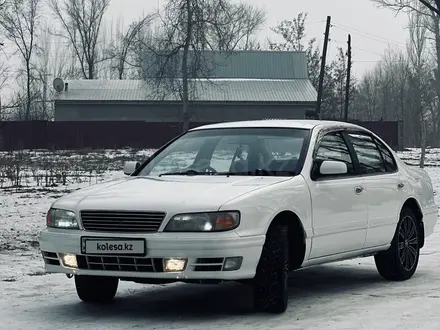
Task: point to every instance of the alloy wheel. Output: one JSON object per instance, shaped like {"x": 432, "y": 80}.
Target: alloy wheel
{"x": 408, "y": 243}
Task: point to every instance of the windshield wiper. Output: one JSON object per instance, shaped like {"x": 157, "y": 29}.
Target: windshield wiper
{"x": 258, "y": 172}
{"x": 188, "y": 173}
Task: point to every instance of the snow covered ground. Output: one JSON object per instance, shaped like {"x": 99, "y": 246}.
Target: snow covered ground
{"x": 343, "y": 295}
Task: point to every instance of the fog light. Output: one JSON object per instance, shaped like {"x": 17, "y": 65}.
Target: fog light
{"x": 69, "y": 260}
{"x": 174, "y": 265}
{"x": 232, "y": 263}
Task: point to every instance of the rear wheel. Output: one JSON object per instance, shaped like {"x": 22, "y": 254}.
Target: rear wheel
{"x": 96, "y": 289}
{"x": 270, "y": 282}
{"x": 400, "y": 262}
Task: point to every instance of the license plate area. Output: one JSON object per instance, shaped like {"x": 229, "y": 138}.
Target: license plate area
{"x": 113, "y": 246}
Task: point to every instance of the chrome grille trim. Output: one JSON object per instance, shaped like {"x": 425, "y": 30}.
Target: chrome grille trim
{"x": 50, "y": 258}
{"x": 50, "y": 255}
{"x": 122, "y": 221}
{"x": 208, "y": 264}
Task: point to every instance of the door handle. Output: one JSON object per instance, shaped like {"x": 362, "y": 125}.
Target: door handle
{"x": 358, "y": 190}
{"x": 400, "y": 185}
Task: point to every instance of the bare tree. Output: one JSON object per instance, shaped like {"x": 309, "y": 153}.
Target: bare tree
{"x": 340, "y": 76}
{"x": 236, "y": 26}
{"x": 4, "y": 77}
{"x": 143, "y": 43}
{"x": 189, "y": 29}
{"x": 42, "y": 75}
{"x": 411, "y": 5}
{"x": 19, "y": 19}
{"x": 293, "y": 34}
{"x": 419, "y": 74}
{"x": 396, "y": 66}
{"x": 4, "y": 74}
{"x": 368, "y": 96}
{"x": 50, "y": 62}
{"x": 81, "y": 21}
{"x": 435, "y": 8}
{"x": 121, "y": 51}
{"x": 428, "y": 9}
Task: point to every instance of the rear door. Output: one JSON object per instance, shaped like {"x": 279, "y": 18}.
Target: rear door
{"x": 383, "y": 189}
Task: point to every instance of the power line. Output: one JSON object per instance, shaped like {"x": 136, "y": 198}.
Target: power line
{"x": 371, "y": 38}
{"x": 369, "y": 35}
{"x": 358, "y": 48}
{"x": 315, "y": 22}
{"x": 377, "y": 61}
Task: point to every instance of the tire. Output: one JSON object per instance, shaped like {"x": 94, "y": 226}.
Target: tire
{"x": 270, "y": 282}
{"x": 96, "y": 289}
{"x": 399, "y": 262}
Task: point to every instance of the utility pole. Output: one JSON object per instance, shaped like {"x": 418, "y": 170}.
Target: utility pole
{"x": 321, "y": 75}
{"x": 347, "y": 87}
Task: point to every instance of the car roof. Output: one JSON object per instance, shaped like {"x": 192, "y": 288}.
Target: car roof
{"x": 279, "y": 123}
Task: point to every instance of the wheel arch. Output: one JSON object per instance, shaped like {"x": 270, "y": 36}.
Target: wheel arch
{"x": 414, "y": 206}
{"x": 297, "y": 236}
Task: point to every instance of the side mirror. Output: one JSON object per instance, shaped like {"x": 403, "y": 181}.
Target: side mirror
{"x": 331, "y": 167}
{"x": 130, "y": 167}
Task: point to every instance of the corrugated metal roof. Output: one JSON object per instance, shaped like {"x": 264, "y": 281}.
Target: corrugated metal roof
{"x": 261, "y": 65}
{"x": 216, "y": 90}
{"x": 241, "y": 64}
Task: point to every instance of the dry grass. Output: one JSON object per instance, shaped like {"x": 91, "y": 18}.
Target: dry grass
{"x": 44, "y": 168}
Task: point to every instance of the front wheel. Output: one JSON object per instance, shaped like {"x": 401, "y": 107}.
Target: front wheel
{"x": 270, "y": 283}
{"x": 400, "y": 262}
{"x": 96, "y": 289}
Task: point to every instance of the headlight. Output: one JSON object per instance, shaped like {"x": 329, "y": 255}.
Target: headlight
{"x": 204, "y": 222}
{"x": 57, "y": 218}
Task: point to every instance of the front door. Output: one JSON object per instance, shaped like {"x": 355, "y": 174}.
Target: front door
{"x": 339, "y": 208}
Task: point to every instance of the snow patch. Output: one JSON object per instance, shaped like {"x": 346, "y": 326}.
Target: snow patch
{"x": 337, "y": 296}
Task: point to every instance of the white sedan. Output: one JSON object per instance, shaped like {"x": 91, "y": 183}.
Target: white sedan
{"x": 244, "y": 201}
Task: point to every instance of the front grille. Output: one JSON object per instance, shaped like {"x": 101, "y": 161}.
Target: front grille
{"x": 136, "y": 264}
{"x": 122, "y": 221}
{"x": 125, "y": 264}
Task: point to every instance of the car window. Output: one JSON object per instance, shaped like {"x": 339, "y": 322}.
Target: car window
{"x": 178, "y": 158}
{"x": 388, "y": 158}
{"x": 284, "y": 148}
{"x": 275, "y": 153}
{"x": 333, "y": 147}
{"x": 370, "y": 159}
{"x": 225, "y": 152}
{"x": 232, "y": 151}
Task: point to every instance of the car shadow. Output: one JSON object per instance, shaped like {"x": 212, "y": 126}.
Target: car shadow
{"x": 191, "y": 302}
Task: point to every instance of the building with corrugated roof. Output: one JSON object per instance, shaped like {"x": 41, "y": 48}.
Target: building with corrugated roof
{"x": 246, "y": 85}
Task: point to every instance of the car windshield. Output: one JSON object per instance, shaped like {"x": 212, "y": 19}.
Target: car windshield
{"x": 231, "y": 151}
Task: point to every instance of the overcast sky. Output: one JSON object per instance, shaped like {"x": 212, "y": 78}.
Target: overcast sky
{"x": 373, "y": 29}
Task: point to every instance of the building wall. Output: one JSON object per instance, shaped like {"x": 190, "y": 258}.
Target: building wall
{"x": 16, "y": 135}
{"x": 172, "y": 112}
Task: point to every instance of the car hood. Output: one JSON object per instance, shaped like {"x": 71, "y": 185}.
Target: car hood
{"x": 168, "y": 194}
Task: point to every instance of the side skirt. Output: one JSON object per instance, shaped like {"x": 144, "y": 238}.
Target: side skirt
{"x": 345, "y": 256}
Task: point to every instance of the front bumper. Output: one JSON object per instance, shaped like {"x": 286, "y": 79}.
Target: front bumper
{"x": 205, "y": 254}
{"x": 430, "y": 217}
